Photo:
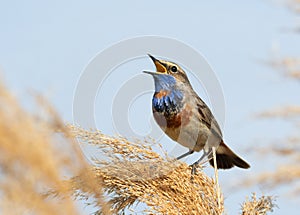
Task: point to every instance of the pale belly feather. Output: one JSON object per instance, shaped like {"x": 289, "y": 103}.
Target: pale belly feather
{"x": 192, "y": 134}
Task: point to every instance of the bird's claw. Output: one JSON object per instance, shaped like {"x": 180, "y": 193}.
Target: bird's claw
{"x": 194, "y": 168}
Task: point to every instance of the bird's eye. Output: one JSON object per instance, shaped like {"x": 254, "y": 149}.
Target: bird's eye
{"x": 174, "y": 69}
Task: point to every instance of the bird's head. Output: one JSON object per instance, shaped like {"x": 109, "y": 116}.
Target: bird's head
{"x": 168, "y": 74}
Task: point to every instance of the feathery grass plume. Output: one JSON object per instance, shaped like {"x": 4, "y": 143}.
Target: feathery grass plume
{"x": 287, "y": 151}
{"x": 284, "y": 174}
{"x": 294, "y": 5}
{"x": 39, "y": 155}
{"x": 286, "y": 170}
{"x": 288, "y": 66}
{"x": 131, "y": 172}
{"x": 287, "y": 112}
{"x": 34, "y": 160}
{"x": 260, "y": 206}
{"x": 291, "y": 146}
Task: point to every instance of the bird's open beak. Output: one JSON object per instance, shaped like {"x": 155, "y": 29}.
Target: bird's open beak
{"x": 160, "y": 67}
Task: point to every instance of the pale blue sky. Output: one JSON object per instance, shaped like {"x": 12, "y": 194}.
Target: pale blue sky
{"x": 46, "y": 46}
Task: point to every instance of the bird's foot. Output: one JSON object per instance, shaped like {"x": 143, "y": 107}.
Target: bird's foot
{"x": 197, "y": 164}
{"x": 194, "y": 168}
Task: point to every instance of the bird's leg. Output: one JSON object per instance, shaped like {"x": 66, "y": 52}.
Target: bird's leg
{"x": 200, "y": 162}
{"x": 185, "y": 154}
{"x": 194, "y": 165}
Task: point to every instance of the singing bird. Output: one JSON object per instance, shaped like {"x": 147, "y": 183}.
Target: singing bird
{"x": 185, "y": 117}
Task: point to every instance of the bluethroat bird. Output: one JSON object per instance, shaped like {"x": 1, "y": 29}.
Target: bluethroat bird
{"x": 185, "y": 117}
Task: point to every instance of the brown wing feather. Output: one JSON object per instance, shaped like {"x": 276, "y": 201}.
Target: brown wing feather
{"x": 207, "y": 117}
{"x": 225, "y": 157}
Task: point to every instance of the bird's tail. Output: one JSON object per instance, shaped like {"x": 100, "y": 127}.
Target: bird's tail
{"x": 227, "y": 159}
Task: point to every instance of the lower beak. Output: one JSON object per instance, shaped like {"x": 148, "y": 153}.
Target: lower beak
{"x": 151, "y": 73}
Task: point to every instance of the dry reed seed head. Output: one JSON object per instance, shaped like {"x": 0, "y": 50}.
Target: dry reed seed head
{"x": 289, "y": 66}
{"x": 258, "y": 206}
{"x": 282, "y": 112}
{"x": 34, "y": 160}
{"x": 170, "y": 194}
{"x": 282, "y": 175}
{"x": 132, "y": 172}
{"x": 287, "y": 151}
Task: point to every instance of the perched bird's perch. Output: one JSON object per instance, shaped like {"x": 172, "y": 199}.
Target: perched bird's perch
{"x": 35, "y": 162}
{"x": 133, "y": 173}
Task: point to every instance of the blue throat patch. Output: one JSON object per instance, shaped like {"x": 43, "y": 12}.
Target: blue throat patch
{"x": 167, "y": 98}
{"x": 164, "y": 82}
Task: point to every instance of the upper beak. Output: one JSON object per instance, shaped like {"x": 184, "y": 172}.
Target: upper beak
{"x": 160, "y": 67}
{"x": 152, "y": 58}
